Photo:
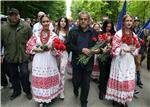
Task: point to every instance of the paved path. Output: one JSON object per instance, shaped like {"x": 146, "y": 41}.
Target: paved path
{"x": 71, "y": 101}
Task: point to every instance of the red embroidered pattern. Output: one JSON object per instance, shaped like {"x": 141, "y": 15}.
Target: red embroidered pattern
{"x": 48, "y": 97}
{"x": 131, "y": 40}
{"x": 96, "y": 68}
{"x": 120, "y": 98}
{"x": 45, "y": 82}
{"x": 30, "y": 44}
{"x": 125, "y": 86}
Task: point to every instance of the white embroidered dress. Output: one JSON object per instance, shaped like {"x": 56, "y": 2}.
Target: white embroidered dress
{"x": 46, "y": 84}
{"x": 121, "y": 82}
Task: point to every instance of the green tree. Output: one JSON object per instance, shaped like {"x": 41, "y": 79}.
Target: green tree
{"x": 140, "y": 9}
{"x": 30, "y": 8}
{"x": 98, "y": 8}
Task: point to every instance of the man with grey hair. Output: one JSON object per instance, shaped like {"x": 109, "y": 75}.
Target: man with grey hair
{"x": 38, "y": 26}
{"x": 80, "y": 41}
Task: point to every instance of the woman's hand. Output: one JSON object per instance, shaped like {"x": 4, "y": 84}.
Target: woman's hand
{"x": 38, "y": 49}
{"x": 132, "y": 49}
{"x": 127, "y": 50}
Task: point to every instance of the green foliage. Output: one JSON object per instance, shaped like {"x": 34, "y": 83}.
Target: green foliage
{"x": 140, "y": 9}
{"x": 98, "y": 8}
{"x": 30, "y": 8}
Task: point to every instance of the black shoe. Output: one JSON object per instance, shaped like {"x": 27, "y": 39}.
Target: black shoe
{"x": 29, "y": 96}
{"x": 101, "y": 96}
{"x": 123, "y": 105}
{"x": 45, "y": 104}
{"x": 14, "y": 95}
{"x": 141, "y": 83}
{"x": 115, "y": 104}
{"x": 126, "y": 105}
{"x": 76, "y": 93}
{"x": 41, "y": 104}
{"x": 83, "y": 104}
{"x": 139, "y": 86}
{"x": 135, "y": 96}
{"x": 136, "y": 92}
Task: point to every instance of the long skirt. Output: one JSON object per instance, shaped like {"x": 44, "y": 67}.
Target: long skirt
{"x": 96, "y": 70}
{"x": 46, "y": 84}
{"x": 121, "y": 82}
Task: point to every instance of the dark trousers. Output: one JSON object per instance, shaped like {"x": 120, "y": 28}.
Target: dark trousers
{"x": 104, "y": 75}
{"x": 19, "y": 75}
{"x": 81, "y": 78}
{"x": 4, "y": 73}
{"x": 148, "y": 58}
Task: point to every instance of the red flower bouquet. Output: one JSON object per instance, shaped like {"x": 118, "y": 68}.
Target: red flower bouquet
{"x": 57, "y": 47}
{"x": 83, "y": 59}
{"x": 58, "y": 44}
{"x": 106, "y": 39}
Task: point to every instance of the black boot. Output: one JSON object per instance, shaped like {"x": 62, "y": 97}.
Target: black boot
{"x": 123, "y": 105}
{"x": 115, "y": 104}
{"x": 83, "y": 104}
{"x": 15, "y": 95}
{"x": 101, "y": 96}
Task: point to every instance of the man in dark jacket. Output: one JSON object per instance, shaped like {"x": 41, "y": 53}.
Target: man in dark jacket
{"x": 79, "y": 41}
{"x": 15, "y": 33}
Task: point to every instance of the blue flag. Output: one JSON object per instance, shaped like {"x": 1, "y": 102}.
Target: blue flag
{"x": 147, "y": 25}
{"x": 141, "y": 31}
{"x": 122, "y": 13}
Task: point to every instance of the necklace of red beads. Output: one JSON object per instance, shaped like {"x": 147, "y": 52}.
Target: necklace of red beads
{"x": 44, "y": 39}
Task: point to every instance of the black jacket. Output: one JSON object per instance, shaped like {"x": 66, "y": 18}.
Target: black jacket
{"x": 72, "y": 44}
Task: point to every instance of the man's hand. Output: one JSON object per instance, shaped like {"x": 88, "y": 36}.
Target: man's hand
{"x": 95, "y": 51}
{"x": 86, "y": 51}
{"x": 105, "y": 49}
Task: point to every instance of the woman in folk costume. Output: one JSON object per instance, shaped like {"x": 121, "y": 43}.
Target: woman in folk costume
{"x": 62, "y": 31}
{"x": 125, "y": 46}
{"x": 46, "y": 84}
{"x": 107, "y": 31}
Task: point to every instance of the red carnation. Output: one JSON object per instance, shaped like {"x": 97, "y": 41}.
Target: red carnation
{"x": 94, "y": 39}
{"x": 56, "y": 46}
{"x": 109, "y": 34}
{"x": 100, "y": 38}
{"x": 104, "y": 36}
{"x": 56, "y": 40}
{"x": 62, "y": 47}
{"x": 137, "y": 45}
{"x": 142, "y": 42}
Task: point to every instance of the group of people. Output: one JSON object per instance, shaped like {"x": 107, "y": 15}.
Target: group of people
{"x": 51, "y": 47}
